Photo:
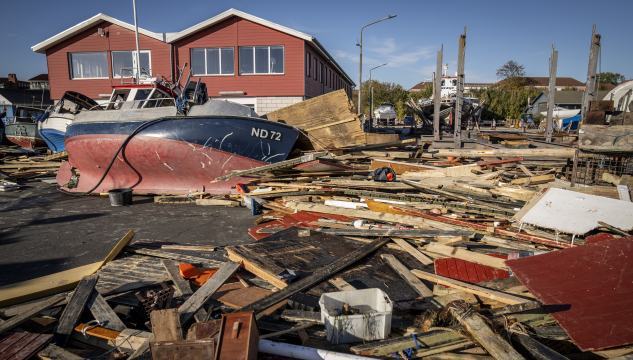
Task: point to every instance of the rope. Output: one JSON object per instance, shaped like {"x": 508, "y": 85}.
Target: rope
{"x": 407, "y": 352}
{"x": 114, "y": 348}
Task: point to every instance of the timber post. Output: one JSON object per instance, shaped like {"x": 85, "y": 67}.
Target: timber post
{"x": 551, "y": 95}
{"x": 437, "y": 85}
{"x": 459, "y": 103}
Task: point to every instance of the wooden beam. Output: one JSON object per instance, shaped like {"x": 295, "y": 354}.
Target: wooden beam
{"x": 54, "y": 352}
{"x": 341, "y": 284}
{"x": 536, "y": 349}
{"x": 474, "y": 289}
{"x": 138, "y": 354}
{"x": 173, "y": 256}
{"x": 183, "y": 286}
{"x": 188, "y": 247}
{"x": 467, "y": 255}
{"x": 74, "y": 309}
{"x": 104, "y": 313}
{"x": 475, "y": 325}
{"x": 499, "y": 162}
{"x": 534, "y": 180}
{"x": 377, "y": 232}
{"x": 413, "y": 251}
{"x": 191, "y": 306}
{"x": 326, "y": 272}
{"x": 406, "y": 275}
{"x": 510, "y": 153}
{"x": 30, "y": 312}
{"x": 362, "y": 214}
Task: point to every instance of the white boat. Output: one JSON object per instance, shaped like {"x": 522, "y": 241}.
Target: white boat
{"x": 385, "y": 113}
{"x": 52, "y": 128}
{"x": 562, "y": 113}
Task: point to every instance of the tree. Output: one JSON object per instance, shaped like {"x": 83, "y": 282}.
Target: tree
{"x": 513, "y": 73}
{"x": 610, "y": 78}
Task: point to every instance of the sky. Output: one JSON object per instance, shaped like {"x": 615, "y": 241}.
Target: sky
{"x": 497, "y": 31}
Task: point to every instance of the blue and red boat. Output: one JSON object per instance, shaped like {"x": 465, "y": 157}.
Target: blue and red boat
{"x": 172, "y": 146}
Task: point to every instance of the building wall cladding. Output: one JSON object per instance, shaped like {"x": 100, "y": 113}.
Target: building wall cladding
{"x": 116, "y": 39}
{"x": 266, "y": 104}
{"x": 235, "y": 32}
{"x": 329, "y": 75}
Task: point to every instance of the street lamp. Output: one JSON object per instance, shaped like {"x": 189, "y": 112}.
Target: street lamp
{"x": 371, "y": 102}
{"x": 360, "y": 67}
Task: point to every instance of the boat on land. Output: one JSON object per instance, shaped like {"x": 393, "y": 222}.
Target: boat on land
{"x": 385, "y": 114}
{"x": 22, "y": 129}
{"x": 448, "y": 96}
{"x": 173, "y": 145}
{"x": 562, "y": 113}
{"x": 52, "y": 126}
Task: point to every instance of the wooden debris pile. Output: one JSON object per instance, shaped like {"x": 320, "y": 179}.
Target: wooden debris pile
{"x": 19, "y": 166}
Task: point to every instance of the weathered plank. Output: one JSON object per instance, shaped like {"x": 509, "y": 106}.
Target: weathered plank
{"x": 467, "y": 255}
{"x": 414, "y": 282}
{"x": 536, "y": 349}
{"x": 508, "y": 153}
{"x": 413, "y": 251}
{"x": 166, "y": 325}
{"x": 172, "y": 256}
{"x": 54, "y": 352}
{"x": 363, "y": 214}
{"x": 534, "y": 180}
{"x": 104, "y": 313}
{"x": 474, "y": 289}
{"x": 74, "y": 309}
{"x": 29, "y": 313}
{"x": 341, "y": 284}
{"x": 184, "y": 287}
{"x": 191, "y": 306}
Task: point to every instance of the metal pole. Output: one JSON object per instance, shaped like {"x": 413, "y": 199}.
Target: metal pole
{"x": 138, "y": 55}
{"x": 551, "y": 95}
{"x": 360, "y": 64}
{"x": 371, "y": 98}
{"x": 460, "y": 90}
{"x": 438, "y": 95}
{"x": 591, "y": 72}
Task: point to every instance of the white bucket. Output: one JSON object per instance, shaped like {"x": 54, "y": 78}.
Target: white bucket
{"x": 373, "y": 322}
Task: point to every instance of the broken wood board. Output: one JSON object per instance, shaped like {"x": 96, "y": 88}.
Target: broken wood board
{"x": 534, "y": 180}
{"x": 586, "y": 289}
{"x": 400, "y": 167}
{"x": 575, "y": 213}
{"x": 58, "y": 282}
{"x": 508, "y": 153}
{"x": 238, "y": 296}
{"x": 453, "y": 171}
{"x": 320, "y": 165}
{"x": 270, "y": 256}
{"x": 74, "y": 309}
{"x": 364, "y": 214}
{"x": 22, "y": 346}
{"x": 464, "y": 286}
{"x": 406, "y": 275}
{"x": 467, "y": 255}
{"x": 325, "y": 120}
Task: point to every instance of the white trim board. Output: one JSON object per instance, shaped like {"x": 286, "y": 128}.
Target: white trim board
{"x": 576, "y": 213}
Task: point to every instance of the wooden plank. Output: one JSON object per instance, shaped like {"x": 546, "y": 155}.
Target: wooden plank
{"x": 508, "y": 153}
{"x": 54, "y": 352}
{"x": 275, "y": 166}
{"x": 74, "y": 309}
{"x": 377, "y": 232}
{"x": 331, "y": 124}
{"x": 98, "y": 331}
{"x": 467, "y": 255}
{"x": 341, "y": 284}
{"x": 29, "y": 313}
{"x": 414, "y": 282}
{"x": 173, "y": 256}
{"x": 217, "y": 202}
{"x": 58, "y": 282}
{"x": 534, "y": 180}
{"x": 188, "y": 247}
{"x": 302, "y": 316}
{"x": 316, "y": 277}
{"x": 138, "y": 353}
{"x": 166, "y": 325}
{"x": 200, "y": 349}
{"x": 536, "y": 349}
{"x": 362, "y": 214}
{"x": 26, "y": 347}
{"x": 411, "y": 250}
{"x": 474, "y": 289}
{"x": 191, "y": 306}
{"x": 238, "y": 296}
{"x": 282, "y": 332}
{"x": 499, "y": 162}
{"x": 525, "y": 170}
{"x": 400, "y": 167}
{"x": 104, "y": 313}
{"x": 183, "y": 286}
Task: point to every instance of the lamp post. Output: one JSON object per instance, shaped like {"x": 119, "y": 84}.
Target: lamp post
{"x": 371, "y": 98}
{"x": 360, "y": 66}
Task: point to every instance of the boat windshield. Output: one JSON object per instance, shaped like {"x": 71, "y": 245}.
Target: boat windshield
{"x": 118, "y": 98}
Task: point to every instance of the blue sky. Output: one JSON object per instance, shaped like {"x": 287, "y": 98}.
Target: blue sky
{"x": 498, "y": 31}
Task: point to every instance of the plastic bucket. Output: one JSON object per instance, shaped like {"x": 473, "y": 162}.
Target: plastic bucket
{"x": 120, "y": 197}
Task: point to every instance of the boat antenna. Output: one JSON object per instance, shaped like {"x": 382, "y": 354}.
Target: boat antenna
{"x": 138, "y": 54}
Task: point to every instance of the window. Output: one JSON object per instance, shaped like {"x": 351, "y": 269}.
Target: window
{"x": 92, "y": 65}
{"x": 320, "y": 68}
{"x": 308, "y": 62}
{"x": 125, "y": 61}
{"x": 213, "y": 61}
{"x": 314, "y": 73}
{"x": 262, "y": 60}
{"x": 325, "y": 75}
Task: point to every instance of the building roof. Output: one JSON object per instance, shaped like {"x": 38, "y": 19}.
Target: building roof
{"x": 25, "y": 97}
{"x": 424, "y": 84}
{"x": 544, "y": 81}
{"x": 173, "y": 37}
{"x": 41, "y": 47}
{"x": 40, "y": 77}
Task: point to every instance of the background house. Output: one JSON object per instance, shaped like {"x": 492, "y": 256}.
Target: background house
{"x": 39, "y": 82}
{"x": 240, "y": 57}
{"x": 12, "y": 82}
{"x": 12, "y": 98}
{"x": 567, "y": 99}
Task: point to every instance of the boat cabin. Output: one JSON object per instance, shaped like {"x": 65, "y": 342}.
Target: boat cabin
{"x": 24, "y": 114}
{"x": 140, "y": 96}
{"x": 73, "y": 102}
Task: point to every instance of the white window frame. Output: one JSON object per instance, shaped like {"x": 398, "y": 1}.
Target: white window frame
{"x": 133, "y": 73}
{"x": 255, "y": 64}
{"x": 70, "y": 65}
{"x": 206, "y": 71}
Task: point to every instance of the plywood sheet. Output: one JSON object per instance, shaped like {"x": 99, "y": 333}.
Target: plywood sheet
{"x": 238, "y": 296}
{"x": 575, "y": 213}
{"x": 587, "y": 289}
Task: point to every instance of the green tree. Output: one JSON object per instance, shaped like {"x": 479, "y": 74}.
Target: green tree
{"x": 503, "y": 102}
{"x": 610, "y": 78}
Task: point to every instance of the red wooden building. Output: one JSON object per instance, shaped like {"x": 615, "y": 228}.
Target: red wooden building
{"x": 238, "y": 56}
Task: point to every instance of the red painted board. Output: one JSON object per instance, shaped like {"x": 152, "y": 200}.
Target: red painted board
{"x": 299, "y": 219}
{"x": 587, "y": 289}
{"x": 598, "y": 238}
{"x": 468, "y": 271}
{"x": 25, "y": 347}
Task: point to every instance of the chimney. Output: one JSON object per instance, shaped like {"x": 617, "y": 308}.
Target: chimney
{"x": 13, "y": 78}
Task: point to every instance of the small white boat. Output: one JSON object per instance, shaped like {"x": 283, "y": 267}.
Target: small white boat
{"x": 385, "y": 113}
{"x": 562, "y": 113}
{"x": 52, "y": 128}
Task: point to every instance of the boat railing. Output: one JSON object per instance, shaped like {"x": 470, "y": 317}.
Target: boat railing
{"x": 142, "y": 103}
{"x": 142, "y": 72}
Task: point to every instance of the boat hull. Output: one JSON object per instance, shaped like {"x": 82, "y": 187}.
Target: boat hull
{"x": 174, "y": 156}
{"x": 53, "y": 131}
{"x": 24, "y": 135}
